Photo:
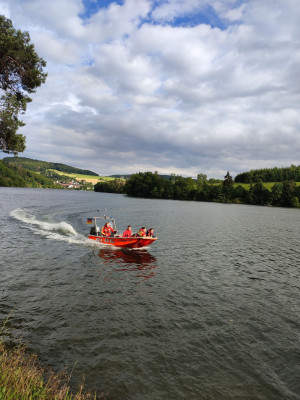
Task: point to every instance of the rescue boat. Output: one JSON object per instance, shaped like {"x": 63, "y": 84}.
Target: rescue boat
{"x": 134, "y": 242}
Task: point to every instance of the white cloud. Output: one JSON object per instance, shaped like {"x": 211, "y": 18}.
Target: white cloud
{"x": 125, "y": 94}
{"x": 4, "y": 9}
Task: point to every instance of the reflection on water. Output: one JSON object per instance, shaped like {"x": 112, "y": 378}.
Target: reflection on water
{"x": 126, "y": 260}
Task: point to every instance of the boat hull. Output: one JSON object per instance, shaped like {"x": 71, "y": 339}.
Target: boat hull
{"x": 130, "y": 242}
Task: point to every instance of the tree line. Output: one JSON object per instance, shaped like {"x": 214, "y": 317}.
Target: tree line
{"x": 152, "y": 185}
{"x": 291, "y": 173}
{"x": 114, "y": 186}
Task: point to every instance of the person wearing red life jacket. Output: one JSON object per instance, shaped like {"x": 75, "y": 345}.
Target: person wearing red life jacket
{"x": 127, "y": 232}
{"x": 107, "y": 230}
{"x": 150, "y": 232}
{"x": 141, "y": 232}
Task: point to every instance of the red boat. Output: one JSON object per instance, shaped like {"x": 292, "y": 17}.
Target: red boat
{"x": 117, "y": 240}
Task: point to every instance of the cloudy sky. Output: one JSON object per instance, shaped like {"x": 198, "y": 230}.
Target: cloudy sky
{"x": 174, "y": 86}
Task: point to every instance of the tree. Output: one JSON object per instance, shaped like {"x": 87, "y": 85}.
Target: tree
{"x": 227, "y": 186}
{"x": 227, "y": 180}
{"x": 259, "y": 195}
{"x": 21, "y": 72}
{"x": 201, "y": 181}
{"x": 201, "y": 178}
{"x": 276, "y": 193}
{"x": 288, "y": 192}
{"x": 145, "y": 184}
{"x": 240, "y": 194}
{"x": 295, "y": 202}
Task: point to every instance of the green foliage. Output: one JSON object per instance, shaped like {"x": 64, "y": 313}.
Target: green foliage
{"x": 112, "y": 186}
{"x": 228, "y": 189}
{"x": 147, "y": 184}
{"x": 277, "y": 193}
{"x": 228, "y": 180}
{"x": 21, "y": 72}
{"x": 240, "y": 194}
{"x": 17, "y": 176}
{"x": 22, "y": 377}
{"x": 213, "y": 180}
{"x": 259, "y": 195}
{"x": 295, "y": 202}
{"x": 288, "y": 192}
{"x": 9, "y": 124}
{"x": 291, "y": 173}
{"x": 43, "y": 166}
{"x": 50, "y": 173}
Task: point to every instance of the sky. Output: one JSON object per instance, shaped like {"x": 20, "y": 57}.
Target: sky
{"x": 173, "y": 86}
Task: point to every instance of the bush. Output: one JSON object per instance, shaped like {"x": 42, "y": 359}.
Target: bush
{"x": 22, "y": 377}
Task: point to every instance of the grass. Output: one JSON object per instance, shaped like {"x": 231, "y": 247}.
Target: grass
{"x": 244, "y": 185}
{"x": 23, "y": 378}
{"x": 87, "y": 178}
{"x": 267, "y": 185}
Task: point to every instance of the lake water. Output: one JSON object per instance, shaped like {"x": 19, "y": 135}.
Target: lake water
{"x": 210, "y": 311}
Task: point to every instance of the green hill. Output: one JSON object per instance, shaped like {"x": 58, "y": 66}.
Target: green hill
{"x": 16, "y": 176}
{"x": 43, "y": 166}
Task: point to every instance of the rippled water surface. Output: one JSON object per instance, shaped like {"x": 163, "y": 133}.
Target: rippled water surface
{"x": 209, "y": 311}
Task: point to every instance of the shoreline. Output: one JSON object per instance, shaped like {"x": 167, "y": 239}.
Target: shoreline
{"x": 23, "y": 376}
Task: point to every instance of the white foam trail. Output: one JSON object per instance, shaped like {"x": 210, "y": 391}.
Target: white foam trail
{"x": 61, "y": 231}
{"x": 61, "y": 227}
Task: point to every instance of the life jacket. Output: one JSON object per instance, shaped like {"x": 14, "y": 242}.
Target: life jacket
{"x": 127, "y": 233}
{"x": 106, "y": 230}
{"x": 141, "y": 233}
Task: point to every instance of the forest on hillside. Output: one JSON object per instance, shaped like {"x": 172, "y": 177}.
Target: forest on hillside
{"x": 17, "y": 176}
{"x": 43, "y": 166}
{"x": 291, "y": 173}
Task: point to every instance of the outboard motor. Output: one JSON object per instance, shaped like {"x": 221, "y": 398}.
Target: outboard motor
{"x": 95, "y": 231}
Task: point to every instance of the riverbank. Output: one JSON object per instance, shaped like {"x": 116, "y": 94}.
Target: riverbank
{"x": 22, "y": 377}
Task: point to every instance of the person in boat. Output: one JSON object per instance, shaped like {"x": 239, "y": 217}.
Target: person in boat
{"x": 127, "y": 232}
{"x": 141, "y": 232}
{"x": 150, "y": 232}
{"x": 107, "y": 230}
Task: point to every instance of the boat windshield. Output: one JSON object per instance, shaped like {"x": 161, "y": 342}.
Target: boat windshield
{"x": 107, "y": 219}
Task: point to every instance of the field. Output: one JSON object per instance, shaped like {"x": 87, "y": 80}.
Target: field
{"x": 267, "y": 185}
{"x": 87, "y": 178}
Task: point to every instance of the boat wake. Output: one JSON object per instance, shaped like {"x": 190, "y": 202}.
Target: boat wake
{"x": 62, "y": 231}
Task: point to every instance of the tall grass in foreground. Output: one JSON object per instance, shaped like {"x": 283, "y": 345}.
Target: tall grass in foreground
{"x": 23, "y": 378}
